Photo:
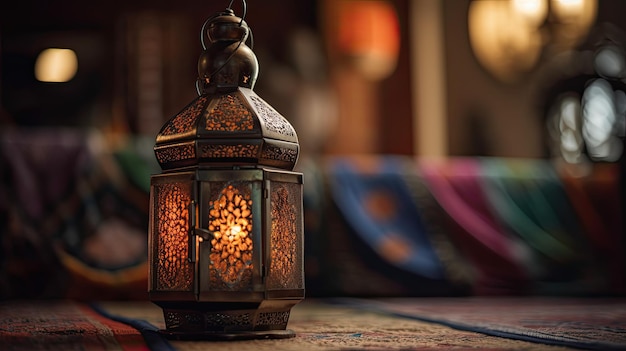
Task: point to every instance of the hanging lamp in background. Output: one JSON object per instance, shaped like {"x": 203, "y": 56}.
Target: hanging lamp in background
{"x": 509, "y": 38}
{"x": 226, "y": 213}
{"x": 368, "y": 37}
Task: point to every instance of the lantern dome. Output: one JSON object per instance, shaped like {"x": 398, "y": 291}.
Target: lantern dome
{"x": 228, "y": 124}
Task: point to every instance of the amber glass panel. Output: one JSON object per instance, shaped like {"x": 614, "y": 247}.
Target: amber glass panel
{"x": 286, "y": 266}
{"x": 230, "y": 221}
{"x": 173, "y": 269}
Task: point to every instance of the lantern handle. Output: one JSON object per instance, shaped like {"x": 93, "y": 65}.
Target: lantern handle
{"x": 229, "y": 9}
{"x": 194, "y": 232}
{"x": 245, "y": 9}
{"x": 203, "y": 233}
{"x": 242, "y": 41}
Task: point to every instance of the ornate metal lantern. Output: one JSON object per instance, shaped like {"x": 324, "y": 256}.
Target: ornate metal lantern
{"x": 226, "y": 218}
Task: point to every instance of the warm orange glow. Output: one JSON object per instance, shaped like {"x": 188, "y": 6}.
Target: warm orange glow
{"x": 534, "y": 11}
{"x": 567, "y": 9}
{"x": 576, "y": 16}
{"x": 369, "y": 34}
{"x": 56, "y": 65}
{"x": 172, "y": 232}
{"x": 235, "y": 230}
{"x": 502, "y": 39}
{"x": 230, "y": 220}
{"x": 507, "y": 36}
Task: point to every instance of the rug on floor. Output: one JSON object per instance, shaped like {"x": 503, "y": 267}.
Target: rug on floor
{"x": 585, "y": 323}
{"x": 63, "y": 325}
{"x": 322, "y": 326}
{"x": 319, "y": 326}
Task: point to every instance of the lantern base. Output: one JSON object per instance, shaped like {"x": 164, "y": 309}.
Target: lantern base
{"x": 228, "y": 336}
{"x": 186, "y": 320}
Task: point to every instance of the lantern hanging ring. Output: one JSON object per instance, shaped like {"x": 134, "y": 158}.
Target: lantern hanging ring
{"x": 243, "y": 39}
{"x": 228, "y": 9}
{"x": 245, "y": 9}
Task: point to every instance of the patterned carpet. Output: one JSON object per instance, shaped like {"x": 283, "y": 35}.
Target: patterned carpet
{"x": 322, "y": 326}
{"x": 348, "y": 324}
{"x": 589, "y": 323}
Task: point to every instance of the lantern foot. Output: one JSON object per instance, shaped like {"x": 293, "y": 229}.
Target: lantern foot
{"x": 227, "y": 321}
{"x": 229, "y": 336}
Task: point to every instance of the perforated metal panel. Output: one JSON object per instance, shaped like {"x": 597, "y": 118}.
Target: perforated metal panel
{"x": 286, "y": 256}
{"x": 171, "y": 236}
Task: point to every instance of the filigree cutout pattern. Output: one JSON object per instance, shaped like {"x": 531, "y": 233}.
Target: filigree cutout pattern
{"x": 175, "y": 153}
{"x": 230, "y": 221}
{"x": 274, "y": 122}
{"x": 173, "y": 270}
{"x": 185, "y": 120}
{"x": 229, "y": 115}
{"x": 285, "y": 270}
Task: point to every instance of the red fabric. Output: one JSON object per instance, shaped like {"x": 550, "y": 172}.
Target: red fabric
{"x": 63, "y": 325}
{"x": 473, "y": 227}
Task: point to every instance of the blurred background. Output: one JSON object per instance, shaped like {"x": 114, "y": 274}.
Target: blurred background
{"x": 525, "y": 98}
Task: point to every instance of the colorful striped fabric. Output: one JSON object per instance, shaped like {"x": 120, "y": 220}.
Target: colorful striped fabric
{"x": 377, "y": 203}
{"x": 522, "y": 225}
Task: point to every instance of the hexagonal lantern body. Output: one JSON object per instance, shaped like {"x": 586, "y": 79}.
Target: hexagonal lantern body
{"x": 226, "y": 219}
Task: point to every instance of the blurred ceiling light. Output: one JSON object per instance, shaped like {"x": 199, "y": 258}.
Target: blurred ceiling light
{"x": 509, "y": 36}
{"x": 534, "y": 11}
{"x": 569, "y": 9}
{"x": 572, "y": 21}
{"x": 502, "y": 39}
{"x": 56, "y": 65}
{"x": 369, "y": 36}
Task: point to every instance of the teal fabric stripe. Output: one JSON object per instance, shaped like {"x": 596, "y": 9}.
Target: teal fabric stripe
{"x": 509, "y": 201}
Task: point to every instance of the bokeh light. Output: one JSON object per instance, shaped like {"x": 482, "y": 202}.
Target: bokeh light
{"x": 56, "y": 65}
